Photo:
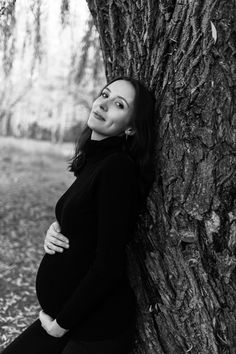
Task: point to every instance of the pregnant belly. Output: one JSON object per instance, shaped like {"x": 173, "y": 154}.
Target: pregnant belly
{"x": 57, "y": 277}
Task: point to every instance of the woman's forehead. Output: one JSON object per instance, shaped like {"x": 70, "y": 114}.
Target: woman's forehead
{"x": 122, "y": 88}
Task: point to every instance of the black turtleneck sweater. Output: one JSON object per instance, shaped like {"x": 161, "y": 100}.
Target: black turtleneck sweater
{"x": 86, "y": 287}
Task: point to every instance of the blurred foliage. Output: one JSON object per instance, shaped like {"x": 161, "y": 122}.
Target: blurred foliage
{"x": 7, "y": 40}
{"x": 33, "y": 176}
{"x": 65, "y": 12}
{"x": 52, "y": 68}
{"x": 95, "y": 63}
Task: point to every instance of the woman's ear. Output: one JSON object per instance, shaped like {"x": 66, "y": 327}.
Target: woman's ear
{"x": 130, "y": 131}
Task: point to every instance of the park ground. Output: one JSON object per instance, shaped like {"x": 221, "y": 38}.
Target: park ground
{"x": 33, "y": 175}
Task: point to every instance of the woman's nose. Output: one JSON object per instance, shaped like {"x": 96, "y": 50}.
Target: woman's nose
{"x": 103, "y": 105}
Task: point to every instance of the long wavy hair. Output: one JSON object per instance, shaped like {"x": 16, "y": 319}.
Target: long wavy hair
{"x": 140, "y": 146}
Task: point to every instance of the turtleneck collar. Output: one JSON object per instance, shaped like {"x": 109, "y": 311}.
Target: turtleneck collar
{"x": 95, "y": 148}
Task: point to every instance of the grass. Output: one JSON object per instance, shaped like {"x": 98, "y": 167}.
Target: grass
{"x": 33, "y": 176}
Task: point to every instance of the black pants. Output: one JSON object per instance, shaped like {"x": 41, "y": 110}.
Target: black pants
{"x": 35, "y": 340}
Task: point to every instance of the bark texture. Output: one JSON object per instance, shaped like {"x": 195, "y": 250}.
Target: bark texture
{"x": 182, "y": 264}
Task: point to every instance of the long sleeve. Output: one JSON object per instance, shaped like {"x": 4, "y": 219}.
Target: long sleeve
{"x": 116, "y": 200}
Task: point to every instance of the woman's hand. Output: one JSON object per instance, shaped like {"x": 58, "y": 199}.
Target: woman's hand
{"x": 51, "y": 326}
{"x": 54, "y": 240}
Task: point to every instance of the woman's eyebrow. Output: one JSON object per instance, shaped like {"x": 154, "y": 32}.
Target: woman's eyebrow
{"x": 118, "y": 96}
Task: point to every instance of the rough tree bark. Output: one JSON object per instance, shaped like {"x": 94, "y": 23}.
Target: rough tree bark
{"x": 182, "y": 264}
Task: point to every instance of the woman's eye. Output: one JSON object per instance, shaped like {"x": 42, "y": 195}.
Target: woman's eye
{"x": 104, "y": 94}
{"x": 120, "y": 105}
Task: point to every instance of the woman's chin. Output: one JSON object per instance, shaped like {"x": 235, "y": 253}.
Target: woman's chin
{"x": 92, "y": 124}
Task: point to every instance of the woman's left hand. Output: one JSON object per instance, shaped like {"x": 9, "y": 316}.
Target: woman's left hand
{"x": 51, "y": 326}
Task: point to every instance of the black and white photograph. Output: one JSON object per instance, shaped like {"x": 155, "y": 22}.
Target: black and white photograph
{"x": 118, "y": 176}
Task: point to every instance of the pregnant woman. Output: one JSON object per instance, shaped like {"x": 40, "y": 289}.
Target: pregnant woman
{"x": 88, "y": 305}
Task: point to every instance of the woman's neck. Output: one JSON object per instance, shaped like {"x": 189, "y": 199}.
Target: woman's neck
{"x": 97, "y": 136}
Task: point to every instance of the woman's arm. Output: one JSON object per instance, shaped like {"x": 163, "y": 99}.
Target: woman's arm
{"x": 116, "y": 204}
{"x": 54, "y": 241}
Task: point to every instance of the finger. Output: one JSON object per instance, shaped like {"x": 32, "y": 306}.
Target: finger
{"x": 52, "y": 232}
{"x": 62, "y": 238}
{"x": 57, "y": 241}
{"x": 59, "y": 236}
{"x": 53, "y": 247}
{"x": 48, "y": 250}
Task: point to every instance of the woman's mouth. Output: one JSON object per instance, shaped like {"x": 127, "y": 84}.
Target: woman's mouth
{"x": 98, "y": 116}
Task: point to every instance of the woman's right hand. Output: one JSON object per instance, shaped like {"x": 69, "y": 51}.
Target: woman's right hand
{"x": 54, "y": 241}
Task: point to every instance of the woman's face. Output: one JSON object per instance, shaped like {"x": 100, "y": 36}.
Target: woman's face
{"x": 112, "y": 110}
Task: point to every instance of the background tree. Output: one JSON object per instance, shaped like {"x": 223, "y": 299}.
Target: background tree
{"x": 184, "y": 254}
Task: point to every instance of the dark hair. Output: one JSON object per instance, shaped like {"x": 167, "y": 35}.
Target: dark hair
{"x": 140, "y": 145}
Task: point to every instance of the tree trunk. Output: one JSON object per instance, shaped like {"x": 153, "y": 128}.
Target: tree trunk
{"x": 182, "y": 264}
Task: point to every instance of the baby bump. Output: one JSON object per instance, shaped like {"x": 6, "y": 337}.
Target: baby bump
{"x": 57, "y": 277}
